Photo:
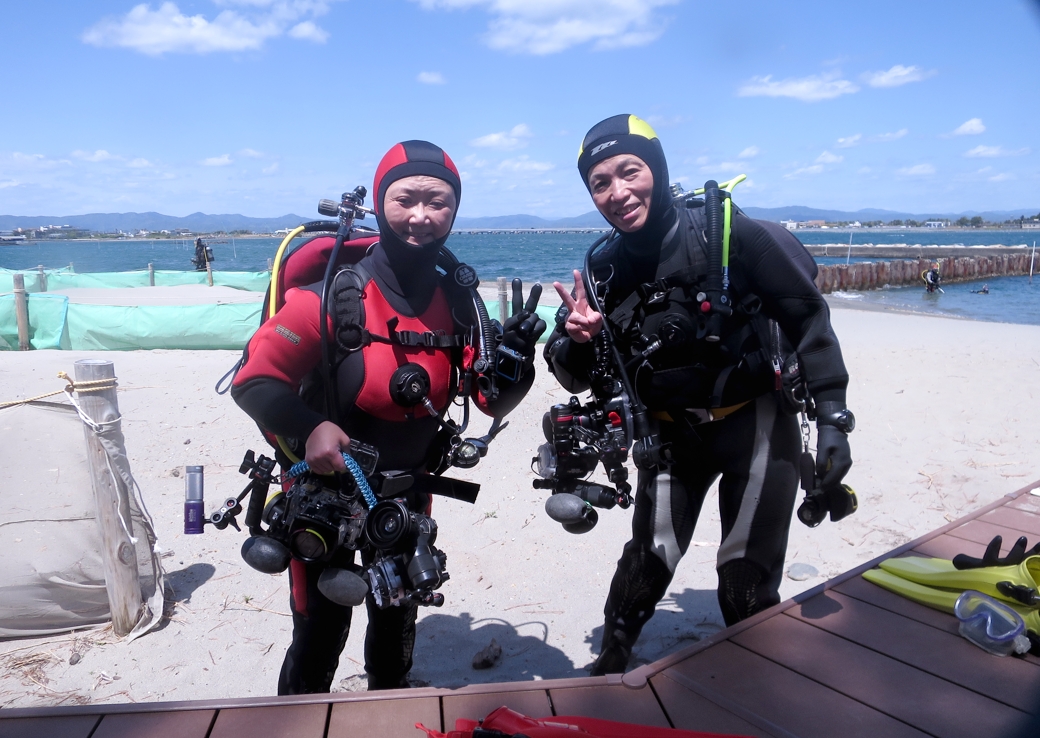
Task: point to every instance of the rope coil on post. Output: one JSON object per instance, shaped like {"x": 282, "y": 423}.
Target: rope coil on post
{"x": 93, "y": 385}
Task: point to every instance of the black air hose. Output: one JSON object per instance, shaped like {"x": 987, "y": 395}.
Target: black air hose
{"x": 713, "y": 234}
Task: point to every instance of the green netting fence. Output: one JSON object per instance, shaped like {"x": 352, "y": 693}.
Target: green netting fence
{"x": 57, "y": 323}
{"x": 54, "y": 323}
{"x": 63, "y": 279}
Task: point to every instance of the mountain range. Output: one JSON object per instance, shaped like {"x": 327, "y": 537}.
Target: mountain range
{"x": 204, "y": 223}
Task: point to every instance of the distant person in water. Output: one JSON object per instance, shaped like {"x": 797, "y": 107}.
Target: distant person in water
{"x": 983, "y": 291}
{"x": 203, "y": 255}
{"x": 932, "y": 278}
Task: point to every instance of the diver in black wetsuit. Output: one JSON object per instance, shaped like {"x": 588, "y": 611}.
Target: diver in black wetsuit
{"x": 744, "y": 435}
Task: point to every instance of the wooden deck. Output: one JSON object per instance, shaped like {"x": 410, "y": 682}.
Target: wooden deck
{"x": 843, "y": 659}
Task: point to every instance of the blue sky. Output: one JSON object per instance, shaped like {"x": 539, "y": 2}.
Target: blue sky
{"x": 262, "y": 107}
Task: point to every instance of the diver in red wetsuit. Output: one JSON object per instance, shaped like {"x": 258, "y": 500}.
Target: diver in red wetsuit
{"x": 410, "y": 314}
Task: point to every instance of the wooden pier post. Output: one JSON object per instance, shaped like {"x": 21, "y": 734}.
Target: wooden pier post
{"x": 41, "y": 278}
{"x": 209, "y": 273}
{"x": 270, "y": 265}
{"x": 21, "y": 311}
{"x": 503, "y": 300}
{"x": 111, "y": 498}
{"x": 151, "y": 275}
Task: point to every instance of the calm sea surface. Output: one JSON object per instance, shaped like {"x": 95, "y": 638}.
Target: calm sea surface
{"x": 550, "y": 256}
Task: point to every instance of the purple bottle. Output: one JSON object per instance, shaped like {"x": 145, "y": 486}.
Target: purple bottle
{"x": 194, "y": 506}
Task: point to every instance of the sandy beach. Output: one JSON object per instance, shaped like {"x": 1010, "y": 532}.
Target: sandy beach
{"x": 947, "y": 422}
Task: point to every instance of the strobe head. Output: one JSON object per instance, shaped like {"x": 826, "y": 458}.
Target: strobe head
{"x": 840, "y": 501}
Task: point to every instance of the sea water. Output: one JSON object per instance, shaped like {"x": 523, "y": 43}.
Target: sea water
{"x": 547, "y": 256}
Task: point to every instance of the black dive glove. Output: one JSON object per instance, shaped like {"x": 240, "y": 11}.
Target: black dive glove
{"x": 992, "y": 557}
{"x": 833, "y": 455}
{"x": 520, "y": 333}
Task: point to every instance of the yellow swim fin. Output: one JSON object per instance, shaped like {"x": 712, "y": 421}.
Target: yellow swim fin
{"x": 939, "y": 598}
{"x": 941, "y": 573}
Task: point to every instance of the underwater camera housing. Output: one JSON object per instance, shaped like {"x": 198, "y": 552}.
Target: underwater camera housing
{"x": 579, "y": 438}
{"x": 312, "y": 522}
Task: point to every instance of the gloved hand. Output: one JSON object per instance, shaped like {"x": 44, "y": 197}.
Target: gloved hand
{"x": 992, "y": 557}
{"x": 833, "y": 455}
{"x": 521, "y": 332}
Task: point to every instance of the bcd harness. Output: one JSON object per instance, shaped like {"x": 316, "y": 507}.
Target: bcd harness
{"x": 679, "y": 319}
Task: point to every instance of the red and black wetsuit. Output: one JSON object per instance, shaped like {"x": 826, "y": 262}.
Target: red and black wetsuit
{"x": 280, "y": 388}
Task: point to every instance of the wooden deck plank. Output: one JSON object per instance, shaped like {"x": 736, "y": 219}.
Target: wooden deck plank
{"x": 785, "y": 698}
{"x": 1021, "y": 521}
{"x": 982, "y": 531}
{"x": 947, "y": 546}
{"x": 610, "y": 702}
{"x": 1027, "y": 502}
{"x": 534, "y": 703}
{"x": 925, "y": 701}
{"x": 860, "y": 589}
{"x": 689, "y": 710}
{"x": 282, "y": 721}
{"x": 945, "y": 655}
{"x": 65, "y": 726}
{"x": 378, "y": 718}
{"x": 194, "y": 724}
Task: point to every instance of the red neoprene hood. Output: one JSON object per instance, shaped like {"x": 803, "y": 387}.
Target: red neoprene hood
{"x": 410, "y": 158}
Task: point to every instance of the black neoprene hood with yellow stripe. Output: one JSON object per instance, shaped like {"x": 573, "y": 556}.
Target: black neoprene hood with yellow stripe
{"x": 628, "y": 134}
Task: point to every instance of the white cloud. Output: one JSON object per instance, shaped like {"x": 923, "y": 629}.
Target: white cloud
{"x": 828, "y": 158}
{"x": 849, "y": 141}
{"x": 271, "y": 169}
{"x": 807, "y": 89}
{"x": 893, "y": 136}
{"x": 8, "y": 183}
{"x": 252, "y": 153}
{"x": 1002, "y": 177}
{"x": 139, "y": 163}
{"x": 514, "y": 138}
{"x": 971, "y": 127}
{"x": 665, "y": 121}
{"x": 309, "y": 31}
{"x": 523, "y": 164}
{"x": 551, "y": 26}
{"x": 896, "y": 76}
{"x": 988, "y": 152}
{"x": 724, "y": 167}
{"x": 749, "y": 153}
{"x": 431, "y": 78}
{"x": 814, "y": 169}
{"x": 217, "y": 161}
{"x": 918, "y": 170}
{"x": 99, "y": 155}
{"x": 167, "y": 29}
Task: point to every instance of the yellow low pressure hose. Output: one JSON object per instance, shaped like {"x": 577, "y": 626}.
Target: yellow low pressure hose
{"x": 276, "y": 266}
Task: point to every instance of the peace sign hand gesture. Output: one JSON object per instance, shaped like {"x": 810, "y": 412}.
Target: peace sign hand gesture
{"x": 582, "y": 321}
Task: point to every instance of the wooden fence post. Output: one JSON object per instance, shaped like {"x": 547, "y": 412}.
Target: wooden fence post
{"x": 209, "y": 274}
{"x": 503, "y": 300}
{"x": 42, "y": 278}
{"x": 151, "y": 275}
{"x": 112, "y": 500}
{"x": 21, "y": 311}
